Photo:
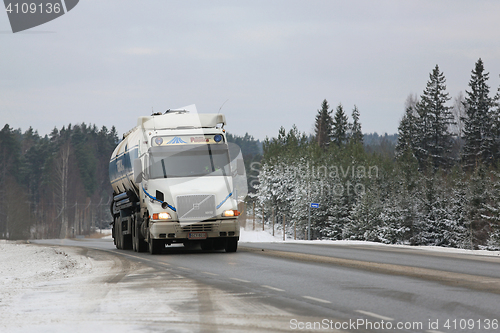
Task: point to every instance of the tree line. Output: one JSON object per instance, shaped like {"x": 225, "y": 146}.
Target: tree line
{"x": 440, "y": 136}
{"x": 441, "y": 187}
{"x": 56, "y": 185}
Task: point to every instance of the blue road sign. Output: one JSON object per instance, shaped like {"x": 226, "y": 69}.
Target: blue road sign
{"x": 314, "y": 205}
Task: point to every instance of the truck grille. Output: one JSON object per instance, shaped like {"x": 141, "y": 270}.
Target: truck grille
{"x": 196, "y": 207}
{"x": 198, "y": 227}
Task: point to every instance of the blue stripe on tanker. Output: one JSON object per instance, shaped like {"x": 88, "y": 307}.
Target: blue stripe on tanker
{"x": 121, "y": 166}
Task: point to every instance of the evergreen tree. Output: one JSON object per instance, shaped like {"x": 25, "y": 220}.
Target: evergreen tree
{"x": 478, "y": 132}
{"x": 434, "y": 120}
{"x": 59, "y": 185}
{"x": 407, "y": 133}
{"x": 83, "y": 141}
{"x": 10, "y": 155}
{"x": 249, "y": 146}
{"x": 495, "y": 128}
{"x": 365, "y": 218}
{"x": 441, "y": 226}
{"x": 340, "y": 126}
{"x": 457, "y": 129}
{"x": 476, "y": 209}
{"x": 493, "y": 214}
{"x": 356, "y": 133}
{"x": 323, "y": 125}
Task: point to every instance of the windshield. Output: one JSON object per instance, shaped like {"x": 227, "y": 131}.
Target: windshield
{"x": 189, "y": 161}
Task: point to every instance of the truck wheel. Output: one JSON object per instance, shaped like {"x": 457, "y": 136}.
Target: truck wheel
{"x": 118, "y": 234}
{"x": 134, "y": 242}
{"x": 134, "y": 237}
{"x": 155, "y": 246}
{"x": 139, "y": 243}
{"x": 142, "y": 246}
{"x": 113, "y": 233}
{"x": 127, "y": 242}
{"x": 232, "y": 244}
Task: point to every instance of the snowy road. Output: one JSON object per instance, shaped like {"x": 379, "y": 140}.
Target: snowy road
{"x": 80, "y": 289}
{"x": 263, "y": 287}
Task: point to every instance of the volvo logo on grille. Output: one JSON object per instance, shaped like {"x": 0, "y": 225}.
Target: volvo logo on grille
{"x": 196, "y": 207}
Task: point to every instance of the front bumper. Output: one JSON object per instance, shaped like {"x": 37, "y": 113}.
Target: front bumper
{"x": 178, "y": 232}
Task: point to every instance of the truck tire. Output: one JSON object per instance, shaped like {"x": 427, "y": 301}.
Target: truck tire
{"x": 139, "y": 244}
{"x": 118, "y": 233}
{"x": 127, "y": 242}
{"x": 232, "y": 244}
{"x": 156, "y": 246}
{"x": 113, "y": 233}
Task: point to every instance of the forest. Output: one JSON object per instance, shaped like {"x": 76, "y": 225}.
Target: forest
{"x": 437, "y": 182}
{"x": 56, "y": 185}
{"x": 440, "y": 186}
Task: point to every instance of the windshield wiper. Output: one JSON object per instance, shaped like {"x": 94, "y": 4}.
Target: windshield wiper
{"x": 163, "y": 166}
{"x": 211, "y": 159}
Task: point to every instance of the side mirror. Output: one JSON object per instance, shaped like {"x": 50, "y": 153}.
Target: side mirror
{"x": 240, "y": 167}
{"x": 138, "y": 176}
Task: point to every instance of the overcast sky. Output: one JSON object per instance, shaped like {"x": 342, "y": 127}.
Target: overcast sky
{"x": 106, "y": 62}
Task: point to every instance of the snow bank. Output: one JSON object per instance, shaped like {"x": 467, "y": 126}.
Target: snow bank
{"x": 36, "y": 283}
{"x": 259, "y": 236}
{"x": 57, "y": 289}
{"x": 23, "y": 265}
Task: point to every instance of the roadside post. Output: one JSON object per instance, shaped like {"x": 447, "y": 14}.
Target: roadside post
{"x": 311, "y": 205}
{"x": 284, "y": 228}
{"x": 253, "y": 216}
{"x": 262, "y": 217}
{"x": 295, "y": 230}
{"x": 273, "y": 221}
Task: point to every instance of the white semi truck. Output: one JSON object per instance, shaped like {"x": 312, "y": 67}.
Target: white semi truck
{"x": 174, "y": 178}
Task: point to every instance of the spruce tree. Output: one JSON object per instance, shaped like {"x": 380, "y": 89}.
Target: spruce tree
{"x": 323, "y": 125}
{"x": 356, "y": 133}
{"x": 340, "y": 126}
{"x": 406, "y": 133}
{"x": 478, "y": 132}
{"x": 457, "y": 128}
{"x": 10, "y": 154}
{"x": 434, "y": 120}
{"x": 495, "y": 128}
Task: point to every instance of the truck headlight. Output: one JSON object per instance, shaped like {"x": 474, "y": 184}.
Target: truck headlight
{"x": 231, "y": 213}
{"x": 162, "y": 216}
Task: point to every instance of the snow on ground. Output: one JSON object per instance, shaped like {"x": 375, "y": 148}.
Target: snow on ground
{"x": 34, "y": 280}
{"x": 63, "y": 289}
{"x": 105, "y": 233}
{"x": 56, "y": 289}
{"x": 259, "y": 236}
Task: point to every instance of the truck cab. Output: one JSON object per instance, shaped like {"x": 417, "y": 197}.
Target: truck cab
{"x": 179, "y": 185}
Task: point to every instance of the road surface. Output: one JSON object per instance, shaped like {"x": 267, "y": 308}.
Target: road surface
{"x": 277, "y": 287}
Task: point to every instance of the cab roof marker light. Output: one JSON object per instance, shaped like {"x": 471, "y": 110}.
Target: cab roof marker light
{"x": 159, "y": 141}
